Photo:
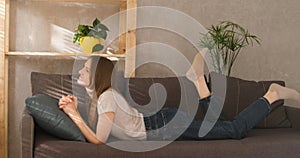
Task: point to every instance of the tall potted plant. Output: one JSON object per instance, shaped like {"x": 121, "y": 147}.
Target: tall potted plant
{"x": 224, "y": 43}
{"x": 91, "y": 38}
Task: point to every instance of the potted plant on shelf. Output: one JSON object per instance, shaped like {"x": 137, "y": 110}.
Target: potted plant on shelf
{"x": 224, "y": 43}
{"x": 91, "y": 38}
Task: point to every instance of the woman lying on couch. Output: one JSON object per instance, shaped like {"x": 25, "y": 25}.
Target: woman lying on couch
{"x": 111, "y": 114}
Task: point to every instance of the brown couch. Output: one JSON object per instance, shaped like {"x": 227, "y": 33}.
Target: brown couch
{"x": 276, "y": 136}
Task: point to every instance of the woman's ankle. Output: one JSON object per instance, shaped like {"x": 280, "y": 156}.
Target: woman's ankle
{"x": 202, "y": 87}
{"x": 271, "y": 96}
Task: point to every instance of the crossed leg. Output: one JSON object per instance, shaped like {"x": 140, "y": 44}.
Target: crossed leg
{"x": 245, "y": 120}
{"x": 274, "y": 93}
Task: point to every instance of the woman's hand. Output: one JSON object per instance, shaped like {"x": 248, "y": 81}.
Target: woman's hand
{"x": 68, "y": 104}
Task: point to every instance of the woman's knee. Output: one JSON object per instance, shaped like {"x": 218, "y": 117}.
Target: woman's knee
{"x": 237, "y": 132}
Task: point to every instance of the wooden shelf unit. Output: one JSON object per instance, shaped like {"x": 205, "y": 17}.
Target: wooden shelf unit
{"x": 61, "y": 54}
{"x": 87, "y": 1}
{"x": 126, "y": 41}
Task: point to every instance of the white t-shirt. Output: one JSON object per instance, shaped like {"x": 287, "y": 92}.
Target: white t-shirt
{"x": 128, "y": 122}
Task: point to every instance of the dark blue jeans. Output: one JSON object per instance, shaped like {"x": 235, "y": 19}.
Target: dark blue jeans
{"x": 165, "y": 126}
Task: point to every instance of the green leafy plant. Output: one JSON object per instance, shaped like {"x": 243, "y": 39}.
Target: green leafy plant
{"x": 224, "y": 43}
{"x": 97, "y": 30}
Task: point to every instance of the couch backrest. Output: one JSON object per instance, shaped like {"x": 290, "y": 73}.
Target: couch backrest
{"x": 158, "y": 93}
{"x": 179, "y": 91}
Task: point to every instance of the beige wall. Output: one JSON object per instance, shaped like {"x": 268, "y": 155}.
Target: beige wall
{"x": 33, "y": 25}
{"x": 275, "y": 22}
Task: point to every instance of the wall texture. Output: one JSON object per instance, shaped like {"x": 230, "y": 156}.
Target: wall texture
{"x": 275, "y": 22}
{"x": 37, "y": 27}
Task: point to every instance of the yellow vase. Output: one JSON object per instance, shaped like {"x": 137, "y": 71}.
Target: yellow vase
{"x": 87, "y": 44}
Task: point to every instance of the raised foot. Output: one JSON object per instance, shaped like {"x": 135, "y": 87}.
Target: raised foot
{"x": 197, "y": 68}
{"x": 284, "y": 92}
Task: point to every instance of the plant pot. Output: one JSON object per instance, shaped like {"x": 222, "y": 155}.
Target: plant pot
{"x": 87, "y": 44}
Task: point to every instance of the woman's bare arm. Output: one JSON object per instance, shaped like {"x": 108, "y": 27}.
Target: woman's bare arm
{"x": 104, "y": 125}
{"x": 69, "y": 106}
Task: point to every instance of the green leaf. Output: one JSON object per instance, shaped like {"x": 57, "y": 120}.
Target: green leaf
{"x": 92, "y": 33}
{"x": 96, "y": 22}
{"x": 80, "y": 27}
{"x": 102, "y": 34}
{"x": 83, "y": 29}
{"x": 97, "y": 47}
{"x": 103, "y": 27}
{"x": 75, "y": 37}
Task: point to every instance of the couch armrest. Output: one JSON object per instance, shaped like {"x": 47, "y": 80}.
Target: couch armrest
{"x": 27, "y": 135}
{"x": 294, "y": 116}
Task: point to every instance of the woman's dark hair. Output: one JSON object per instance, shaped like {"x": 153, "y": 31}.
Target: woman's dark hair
{"x": 102, "y": 69}
{"x": 101, "y": 73}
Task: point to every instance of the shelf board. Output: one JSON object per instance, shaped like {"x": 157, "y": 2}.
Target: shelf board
{"x": 87, "y": 1}
{"x": 59, "y": 54}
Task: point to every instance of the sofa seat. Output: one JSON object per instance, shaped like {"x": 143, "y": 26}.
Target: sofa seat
{"x": 280, "y": 142}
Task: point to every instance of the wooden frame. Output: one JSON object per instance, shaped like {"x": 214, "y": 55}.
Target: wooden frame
{"x": 127, "y": 41}
{"x": 88, "y": 1}
{"x": 4, "y": 21}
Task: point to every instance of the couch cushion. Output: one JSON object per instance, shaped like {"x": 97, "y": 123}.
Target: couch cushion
{"x": 179, "y": 92}
{"x": 139, "y": 87}
{"x": 241, "y": 93}
{"x": 57, "y": 85}
{"x": 45, "y": 112}
{"x": 275, "y": 143}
